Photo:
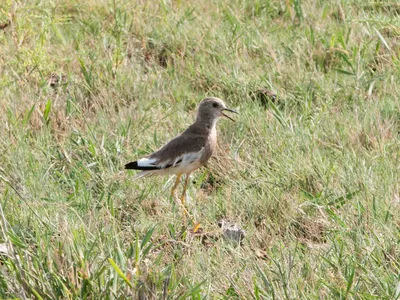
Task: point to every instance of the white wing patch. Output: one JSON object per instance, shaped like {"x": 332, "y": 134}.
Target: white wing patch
{"x": 146, "y": 162}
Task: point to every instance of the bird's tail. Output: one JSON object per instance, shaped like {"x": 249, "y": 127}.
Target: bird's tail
{"x": 145, "y": 165}
{"x": 143, "y": 174}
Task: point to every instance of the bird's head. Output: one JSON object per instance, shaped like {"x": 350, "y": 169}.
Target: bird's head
{"x": 213, "y": 107}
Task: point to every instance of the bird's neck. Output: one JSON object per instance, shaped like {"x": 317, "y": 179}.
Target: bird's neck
{"x": 207, "y": 122}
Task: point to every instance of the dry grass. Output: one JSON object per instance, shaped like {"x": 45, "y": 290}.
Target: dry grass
{"x": 310, "y": 170}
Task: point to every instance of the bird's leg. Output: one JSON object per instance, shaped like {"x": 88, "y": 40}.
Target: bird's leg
{"x": 178, "y": 177}
{"x": 173, "y": 193}
{"x": 183, "y": 196}
{"x": 196, "y": 225}
{"x": 184, "y": 189}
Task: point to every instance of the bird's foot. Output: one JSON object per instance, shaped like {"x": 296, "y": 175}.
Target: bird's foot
{"x": 181, "y": 203}
{"x": 196, "y": 227}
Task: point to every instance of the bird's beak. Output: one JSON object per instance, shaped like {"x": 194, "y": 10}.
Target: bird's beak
{"x": 231, "y": 110}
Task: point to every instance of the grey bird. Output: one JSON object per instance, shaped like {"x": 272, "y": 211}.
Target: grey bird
{"x": 188, "y": 151}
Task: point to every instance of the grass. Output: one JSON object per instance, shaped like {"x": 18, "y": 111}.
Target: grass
{"x": 312, "y": 176}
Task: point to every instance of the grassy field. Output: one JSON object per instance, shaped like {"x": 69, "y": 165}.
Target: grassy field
{"x": 312, "y": 175}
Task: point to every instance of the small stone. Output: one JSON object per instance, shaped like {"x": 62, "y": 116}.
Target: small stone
{"x": 231, "y": 231}
{"x": 3, "y": 249}
{"x": 57, "y": 80}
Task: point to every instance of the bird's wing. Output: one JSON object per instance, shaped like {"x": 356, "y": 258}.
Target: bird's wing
{"x": 184, "y": 148}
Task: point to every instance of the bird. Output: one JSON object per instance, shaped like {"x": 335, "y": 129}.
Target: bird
{"x": 189, "y": 150}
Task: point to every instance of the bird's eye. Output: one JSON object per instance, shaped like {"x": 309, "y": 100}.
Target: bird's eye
{"x": 215, "y": 104}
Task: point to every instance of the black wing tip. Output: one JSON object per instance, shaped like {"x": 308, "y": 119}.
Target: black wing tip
{"x": 134, "y": 166}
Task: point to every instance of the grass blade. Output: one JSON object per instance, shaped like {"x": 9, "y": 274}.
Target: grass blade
{"x": 119, "y": 272}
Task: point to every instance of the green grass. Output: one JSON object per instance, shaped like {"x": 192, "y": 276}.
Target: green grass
{"x": 313, "y": 176}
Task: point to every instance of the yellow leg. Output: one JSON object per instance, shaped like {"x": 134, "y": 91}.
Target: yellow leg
{"x": 183, "y": 196}
{"x": 175, "y": 185}
{"x": 184, "y": 189}
{"x": 178, "y": 177}
{"x": 186, "y": 213}
{"x": 196, "y": 226}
